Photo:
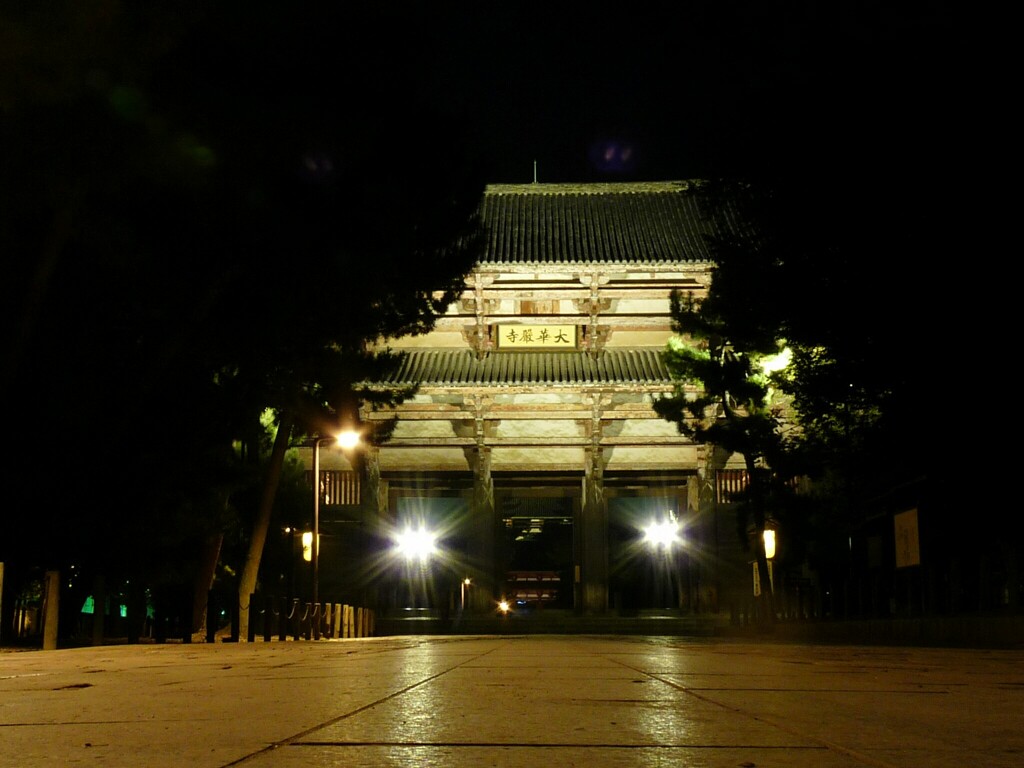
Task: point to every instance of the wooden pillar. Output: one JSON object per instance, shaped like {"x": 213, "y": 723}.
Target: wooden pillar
{"x": 375, "y": 514}
{"x": 481, "y": 535}
{"x": 479, "y": 337}
{"x": 593, "y": 537}
{"x": 376, "y": 488}
{"x": 594, "y": 305}
{"x": 702, "y": 498}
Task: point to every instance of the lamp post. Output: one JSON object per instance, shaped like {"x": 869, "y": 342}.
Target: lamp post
{"x": 662, "y": 538}
{"x": 346, "y": 440}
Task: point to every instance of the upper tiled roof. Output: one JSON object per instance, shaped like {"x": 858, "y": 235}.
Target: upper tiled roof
{"x": 609, "y": 223}
{"x": 458, "y": 367}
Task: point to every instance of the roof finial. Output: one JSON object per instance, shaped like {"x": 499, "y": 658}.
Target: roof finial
{"x": 534, "y": 171}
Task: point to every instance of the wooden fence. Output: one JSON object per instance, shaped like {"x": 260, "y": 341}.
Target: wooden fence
{"x": 278, "y": 618}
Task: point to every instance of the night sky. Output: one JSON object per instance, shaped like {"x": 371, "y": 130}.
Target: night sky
{"x": 683, "y": 90}
{"x": 635, "y": 91}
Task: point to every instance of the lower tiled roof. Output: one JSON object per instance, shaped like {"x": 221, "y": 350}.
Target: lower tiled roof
{"x": 463, "y": 368}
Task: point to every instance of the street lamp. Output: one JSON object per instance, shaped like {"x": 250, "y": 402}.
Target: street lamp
{"x": 769, "y": 543}
{"x": 346, "y": 440}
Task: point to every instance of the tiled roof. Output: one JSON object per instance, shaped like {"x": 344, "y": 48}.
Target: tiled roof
{"x": 462, "y": 368}
{"x": 611, "y": 223}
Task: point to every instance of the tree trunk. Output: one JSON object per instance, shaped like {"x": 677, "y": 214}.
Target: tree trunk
{"x": 247, "y": 583}
{"x": 51, "y": 610}
{"x": 204, "y": 582}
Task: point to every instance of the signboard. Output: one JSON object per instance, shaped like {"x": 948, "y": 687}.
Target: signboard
{"x": 536, "y": 336}
{"x": 908, "y": 548}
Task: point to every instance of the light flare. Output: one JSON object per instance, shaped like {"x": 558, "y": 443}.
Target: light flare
{"x": 418, "y": 544}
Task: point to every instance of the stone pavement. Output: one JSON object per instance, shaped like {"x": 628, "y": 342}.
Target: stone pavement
{"x": 518, "y": 701}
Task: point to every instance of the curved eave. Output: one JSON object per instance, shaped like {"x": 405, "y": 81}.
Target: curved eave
{"x": 627, "y": 369}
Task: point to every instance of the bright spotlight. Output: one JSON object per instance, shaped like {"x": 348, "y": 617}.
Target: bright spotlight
{"x": 349, "y": 439}
{"x": 662, "y": 535}
{"x": 417, "y": 545}
{"x": 504, "y": 607}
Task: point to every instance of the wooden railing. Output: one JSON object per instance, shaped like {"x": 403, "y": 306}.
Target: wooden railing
{"x": 278, "y": 618}
{"x": 338, "y": 486}
{"x": 730, "y": 483}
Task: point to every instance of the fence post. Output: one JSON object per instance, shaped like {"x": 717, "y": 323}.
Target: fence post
{"x": 211, "y": 617}
{"x": 337, "y": 620}
{"x": 268, "y": 614}
{"x": 236, "y": 618}
{"x": 307, "y": 622}
{"x": 359, "y": 622}
{"x": 250, "y": 631}
{"x": 295, "y": 619}
{"x": 185, "y": 603}
{"x": 282, "y": 620}
{"x": 315, "y": 621}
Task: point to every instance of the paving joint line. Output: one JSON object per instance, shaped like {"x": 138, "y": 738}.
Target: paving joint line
{"x": 859, "y": 756}
{"x": 298, "y": 736}
{"x": 550, "y": 745}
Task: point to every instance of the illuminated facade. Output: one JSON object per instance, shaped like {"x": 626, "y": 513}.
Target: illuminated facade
{"x": 531, "y": 447}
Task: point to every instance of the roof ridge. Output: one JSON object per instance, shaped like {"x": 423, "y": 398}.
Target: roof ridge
{"x": 594, "y": 188}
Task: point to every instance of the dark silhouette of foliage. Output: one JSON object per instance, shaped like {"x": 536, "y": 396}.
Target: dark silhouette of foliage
{"x": 722, "y": 397}
{"x": 207, "y": 214}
